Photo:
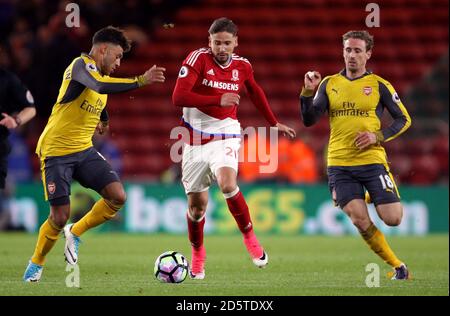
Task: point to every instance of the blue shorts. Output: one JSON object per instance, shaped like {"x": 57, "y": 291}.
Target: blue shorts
{"x": 88, "y": 167}
{"x": 351, "y": 182}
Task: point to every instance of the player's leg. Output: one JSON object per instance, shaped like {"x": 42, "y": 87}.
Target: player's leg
{"x": 56, "y": 178}
{"x": 197, "y": 203}
{"x": 196, "y": 179}
{"x": 390, "y": 213}
{"x": 106, "y": 208}
{"x": 357, "y": 211}
{"x": 103, "y": 210}
{"x": 224, "y": 166}
{"x": 48, "y": 235}
{"x": 350, "y": 197}
{"x": 96, "y": 173}
{"x": 387, "y": 200}
{"x": 384, "y": 194}
{"x": 226, "y": 179}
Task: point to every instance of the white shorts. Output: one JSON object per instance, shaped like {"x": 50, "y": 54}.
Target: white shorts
{"x": 201, "y": 162}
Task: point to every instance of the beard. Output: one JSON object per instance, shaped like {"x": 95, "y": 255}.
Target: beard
{"x": 105, "y": 67}
{"x": 222, "y": 58}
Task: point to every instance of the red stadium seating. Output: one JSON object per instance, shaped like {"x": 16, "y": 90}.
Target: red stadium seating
{"x": 283, "y": 39}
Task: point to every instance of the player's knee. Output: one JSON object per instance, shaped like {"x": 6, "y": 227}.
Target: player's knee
{"x": 59, "y": 218}
{"x": 119, "y": 198}
{"x": 361, "y": 223}
{"x": 393, "y": 215}
{"x": 393, "y": 220}
{"x": 227, "y": 187}
{"x": 59, "y": 214}
{"x": 196, "y": 212}
{"x": 226, "y": 184}
{"x": 60, "y": 221}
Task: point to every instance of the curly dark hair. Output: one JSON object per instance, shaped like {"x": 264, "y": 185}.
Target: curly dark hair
{"x": 113, "y": 35}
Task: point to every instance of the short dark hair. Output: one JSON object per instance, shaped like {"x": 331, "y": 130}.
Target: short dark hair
{"x": 223, "y": 25}
{"x": 113, "y": 35}
{"x": 362, "y": 35}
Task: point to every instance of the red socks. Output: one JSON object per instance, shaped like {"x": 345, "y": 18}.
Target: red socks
{"x": 195, "y": 230}
{"x": 239, "y": 209}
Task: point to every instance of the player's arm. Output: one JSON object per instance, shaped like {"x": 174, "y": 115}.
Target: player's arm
{"x": 259, "y": 99}
{"x": 89, "y": 76}
{"x": 183, "y": 96}
{"x": 390, "y": 100}
{"x": 104, "y": 116}
{"x": 22, "y": 102}
{"x": 312, "y": 107}
{"x": 103, "y": 125}
{"x": 402, "y": 121}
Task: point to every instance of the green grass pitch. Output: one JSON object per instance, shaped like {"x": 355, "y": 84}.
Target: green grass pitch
{"x": 122, "y": 264}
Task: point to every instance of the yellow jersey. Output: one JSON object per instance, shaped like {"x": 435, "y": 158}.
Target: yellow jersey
{"x": 80, "y": 103}
{"x": 355, "y": 105}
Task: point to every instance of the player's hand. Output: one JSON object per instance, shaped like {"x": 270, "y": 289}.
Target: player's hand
{"x": 312, "y": 80}
{"x": 365, "y": 139}
{"x": 286, "y": 130}
{"x": 154, "y": 74}
{"x": 102, "y": 128}
{"x": 8, "y": 121}
{"x": 229, "y": 99}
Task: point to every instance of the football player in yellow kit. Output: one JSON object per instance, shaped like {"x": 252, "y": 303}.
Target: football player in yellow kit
{"x": 355, "y": 99}
{"x": 65, "y": 146}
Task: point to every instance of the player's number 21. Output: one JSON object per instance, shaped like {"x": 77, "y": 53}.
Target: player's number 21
{"x": 230, "y": 152}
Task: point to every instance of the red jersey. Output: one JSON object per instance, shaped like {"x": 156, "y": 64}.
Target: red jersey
{"x": 200, "y": 85}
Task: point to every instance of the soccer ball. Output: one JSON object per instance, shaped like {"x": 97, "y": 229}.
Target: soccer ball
{"x": 171, "y": 267}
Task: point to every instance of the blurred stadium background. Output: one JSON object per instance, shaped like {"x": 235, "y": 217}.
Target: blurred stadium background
{"x": 283, "y": 39}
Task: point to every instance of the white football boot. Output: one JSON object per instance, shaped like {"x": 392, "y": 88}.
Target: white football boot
{"x": 71, "y": 247}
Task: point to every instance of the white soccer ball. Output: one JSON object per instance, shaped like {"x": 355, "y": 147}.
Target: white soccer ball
{"x": 171, "y": 267}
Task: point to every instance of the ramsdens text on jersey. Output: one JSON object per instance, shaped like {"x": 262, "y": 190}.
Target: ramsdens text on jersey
{"x": 221, "y": 85}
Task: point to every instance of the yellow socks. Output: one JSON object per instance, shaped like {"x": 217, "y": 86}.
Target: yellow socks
{"x": 101, "y": 212}
{"x": 376, "y": 241}
{"x": 48, "y": 235}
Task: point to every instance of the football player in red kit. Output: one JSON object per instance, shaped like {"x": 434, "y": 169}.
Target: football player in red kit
{"x": 208, "y": 87}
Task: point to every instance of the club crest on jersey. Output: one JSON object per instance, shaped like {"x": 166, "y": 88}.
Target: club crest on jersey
{"x": 51, "y": 187}
{"x": 235, "y": 75}
{"x": 396, "y": 98}
{"x": 183, "y": 72}
{"x": 367, "y": 90}
{"x": 91, "y": 67}
{"x": 29, "y": 97}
